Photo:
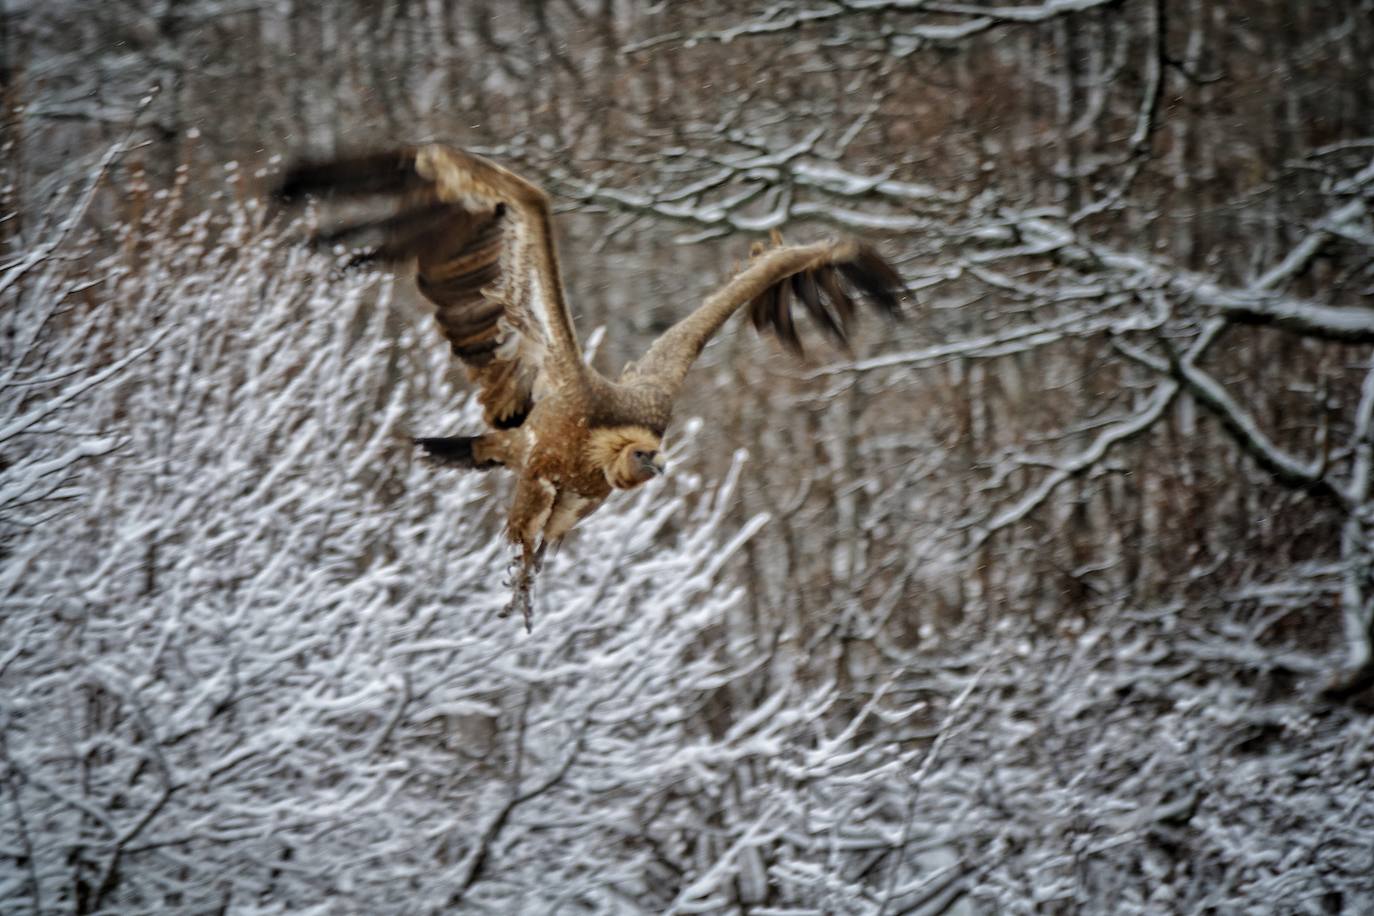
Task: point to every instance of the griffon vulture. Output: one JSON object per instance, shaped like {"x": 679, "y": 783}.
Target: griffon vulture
{"x": 482, "y": 241}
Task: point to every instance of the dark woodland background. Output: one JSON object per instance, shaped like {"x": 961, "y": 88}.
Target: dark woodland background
{"x": 1056, "y": 596}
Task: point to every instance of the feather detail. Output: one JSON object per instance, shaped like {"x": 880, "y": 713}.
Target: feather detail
{"x": 455, "y": 452}
{"x": 825, "y": 277}
{"x": 482, "y": 241}
{"x": 820, "y": 288}
{"x": 390, "y": 239}
{"x": 611, "y": 449}
{"x": 875, "y": 278}
{"x": 389, "y": 172}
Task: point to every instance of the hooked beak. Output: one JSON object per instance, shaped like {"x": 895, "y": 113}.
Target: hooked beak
{"x": 653, "y": 466}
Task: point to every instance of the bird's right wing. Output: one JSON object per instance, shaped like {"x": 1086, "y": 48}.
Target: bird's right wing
{"x": 482, "y": 241}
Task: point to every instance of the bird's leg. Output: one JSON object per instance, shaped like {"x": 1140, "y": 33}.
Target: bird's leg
{"x": 526, "y": 611}
{"x": 534, "y": 500}
{"x": 523, "y": 569}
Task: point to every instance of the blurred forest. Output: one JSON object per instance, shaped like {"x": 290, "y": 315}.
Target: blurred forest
{"x": 1057, "y": 596}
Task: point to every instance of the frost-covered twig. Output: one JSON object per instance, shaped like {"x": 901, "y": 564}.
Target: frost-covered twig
{"x": 784, "y": 18}
{"x": 43, "y": 250}
{"x": 943, "y": 735}
{"x": 1357, "y": 591}
{"x": 1309, "y": 476}
{"x": 1065, "y": 469}
{"x": 751, "y": 191}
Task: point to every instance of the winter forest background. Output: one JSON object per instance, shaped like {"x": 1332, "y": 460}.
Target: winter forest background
{"x": 1056, "y": 597}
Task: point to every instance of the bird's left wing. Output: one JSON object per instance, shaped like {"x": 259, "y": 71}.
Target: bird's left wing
{"x": 826, "y": 277}
{"x": 482, "y": 241}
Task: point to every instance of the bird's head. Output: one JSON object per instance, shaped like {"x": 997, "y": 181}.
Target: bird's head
{"x": 635, "y": 459}
{"x": 635, "y": 465}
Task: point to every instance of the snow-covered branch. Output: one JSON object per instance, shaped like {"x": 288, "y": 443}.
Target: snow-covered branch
{"x": 967, "y": 20}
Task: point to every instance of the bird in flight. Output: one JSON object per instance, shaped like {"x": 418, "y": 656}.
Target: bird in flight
{"x": 482, "y": 242}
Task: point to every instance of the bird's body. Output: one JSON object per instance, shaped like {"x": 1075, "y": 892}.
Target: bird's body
{"x": 482, "y": 241}
{"x": 568, "y": 457}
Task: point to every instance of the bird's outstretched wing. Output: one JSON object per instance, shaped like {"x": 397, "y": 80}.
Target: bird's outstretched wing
{"x": 482, "y": 241}
{"x": 826, "y": 277}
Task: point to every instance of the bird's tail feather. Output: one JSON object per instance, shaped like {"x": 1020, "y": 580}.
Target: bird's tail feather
{"x": 455, "y": 452}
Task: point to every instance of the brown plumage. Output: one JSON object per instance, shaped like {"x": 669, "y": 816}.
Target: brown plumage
{"x": 482, "y": 241}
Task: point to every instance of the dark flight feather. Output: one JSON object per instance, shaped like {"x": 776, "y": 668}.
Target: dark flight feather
{"x": 454, "y": 452}
{"x": 780, "y": 318}
{"x": 390, "y": 239}
{"x": 840, "y": 300}
{"x": 875, "y": 278}
{"x": 822, "y": 291}
{"x": 808, "y": 290}
{"x": 391, "y": 172}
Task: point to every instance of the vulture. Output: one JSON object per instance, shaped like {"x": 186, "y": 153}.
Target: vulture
{"x": 481, "y": 240}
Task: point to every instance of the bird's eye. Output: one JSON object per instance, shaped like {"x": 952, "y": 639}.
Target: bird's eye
{"x": 640, "y": 455}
